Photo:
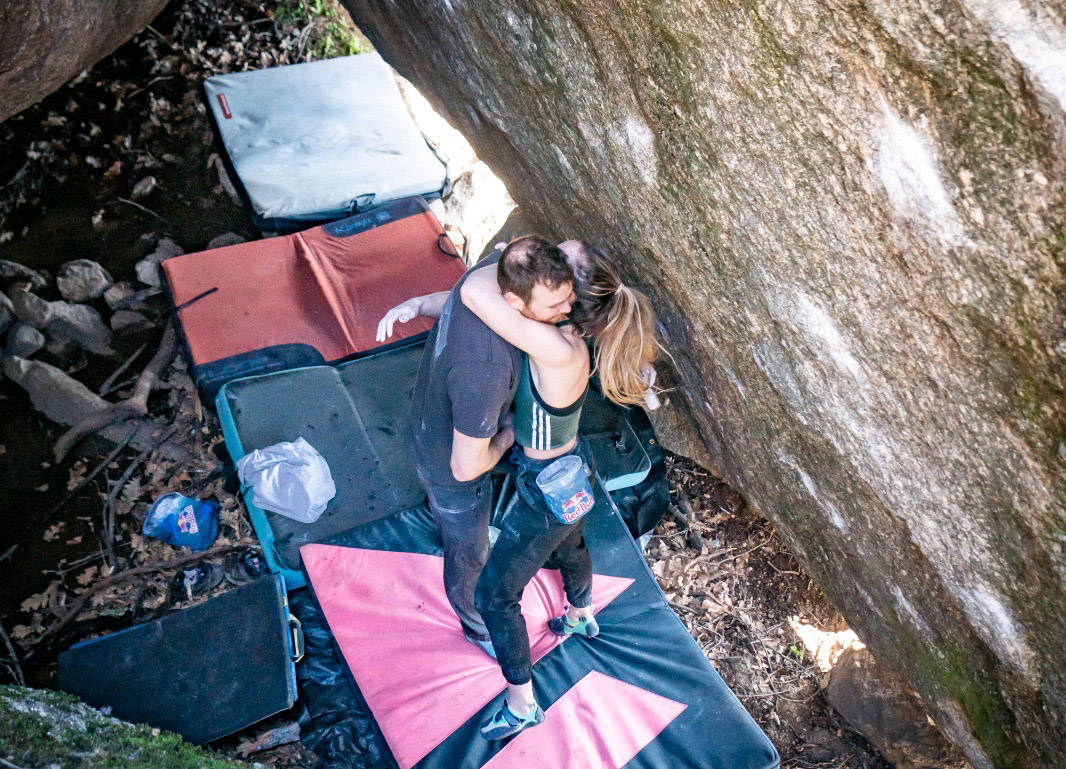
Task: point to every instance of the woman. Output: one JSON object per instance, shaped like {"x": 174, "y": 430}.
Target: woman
{"x": 548, "y": 404}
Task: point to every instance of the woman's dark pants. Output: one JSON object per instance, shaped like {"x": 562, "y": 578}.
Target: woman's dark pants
{"x": 530, "y": 538}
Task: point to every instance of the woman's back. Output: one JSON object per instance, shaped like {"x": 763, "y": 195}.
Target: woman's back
{"x": 549, "y": 399}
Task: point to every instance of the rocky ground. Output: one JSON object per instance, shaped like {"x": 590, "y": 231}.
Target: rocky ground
{"x": 115, "y": 171}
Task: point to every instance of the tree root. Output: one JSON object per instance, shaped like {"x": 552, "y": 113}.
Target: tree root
{"x": 134, "y": 407}
{"x": 83, "y": 598}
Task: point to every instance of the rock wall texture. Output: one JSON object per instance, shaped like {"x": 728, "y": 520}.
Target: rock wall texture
{"x": 45, "y": 43}
{"x": 851, "y": 216}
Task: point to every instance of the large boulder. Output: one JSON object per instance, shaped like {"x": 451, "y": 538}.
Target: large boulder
{"x": 851, "y": 219}
{"x": 44, "y": 44}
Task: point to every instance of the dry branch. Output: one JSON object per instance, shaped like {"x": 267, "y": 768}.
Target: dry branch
{"x": 104, "y": 584}
{"x": 133, "y": 407}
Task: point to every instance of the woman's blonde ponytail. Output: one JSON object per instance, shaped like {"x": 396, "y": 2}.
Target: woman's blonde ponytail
{"x": 622, "y": 323}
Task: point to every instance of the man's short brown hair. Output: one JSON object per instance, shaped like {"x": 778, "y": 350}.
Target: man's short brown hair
{"x": 530, "y": 260}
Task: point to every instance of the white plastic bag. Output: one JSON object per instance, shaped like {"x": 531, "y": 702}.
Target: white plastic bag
{"x": 289, "y": 478}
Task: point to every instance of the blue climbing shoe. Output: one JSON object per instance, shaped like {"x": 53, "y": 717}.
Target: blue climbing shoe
{"x": 504, "y": 723}
{"x": 485, "y": 646}
{"x": 586, "y": 626}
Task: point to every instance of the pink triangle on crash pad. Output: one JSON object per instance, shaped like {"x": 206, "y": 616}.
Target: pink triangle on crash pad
{"x": 393, "y": 623}
{"x": 600, "y": 723}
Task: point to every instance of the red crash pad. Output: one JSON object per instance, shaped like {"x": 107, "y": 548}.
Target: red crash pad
{"x": 323, "y": 289}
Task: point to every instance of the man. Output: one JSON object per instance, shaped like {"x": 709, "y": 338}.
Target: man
{"x": 460, "y": 409}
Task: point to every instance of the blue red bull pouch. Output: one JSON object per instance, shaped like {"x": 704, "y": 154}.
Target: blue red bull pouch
{"x": 182, "y": 521}
{"x": 566, "y": 488}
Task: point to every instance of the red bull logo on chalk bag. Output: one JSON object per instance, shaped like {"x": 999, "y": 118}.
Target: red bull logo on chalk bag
{"x": 577, "y": 506}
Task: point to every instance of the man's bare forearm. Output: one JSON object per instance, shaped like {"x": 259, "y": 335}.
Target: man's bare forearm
{"x": 431, "y": 305}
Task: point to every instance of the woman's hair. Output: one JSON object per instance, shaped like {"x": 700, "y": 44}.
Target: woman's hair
{"x": 621, "y": 322}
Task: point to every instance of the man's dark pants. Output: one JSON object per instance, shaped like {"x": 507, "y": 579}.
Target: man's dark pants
{"x": 531, "y": 537}
{"x": 462, "y": 515}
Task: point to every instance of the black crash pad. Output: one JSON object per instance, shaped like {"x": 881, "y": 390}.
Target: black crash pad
{"x": 204, "y": 672}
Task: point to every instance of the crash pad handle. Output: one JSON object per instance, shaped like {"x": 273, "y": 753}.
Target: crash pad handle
{"x": 441, "y": 240}
{"x": 297, "y": 645}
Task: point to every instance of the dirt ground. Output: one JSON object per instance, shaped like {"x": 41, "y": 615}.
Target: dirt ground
{"x": 67, "y": 166}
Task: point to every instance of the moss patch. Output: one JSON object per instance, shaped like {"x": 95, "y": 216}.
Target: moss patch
{"x": 40, "y": 728}
{"x": 955, "y": 673}
{"x": 329, "y": 31}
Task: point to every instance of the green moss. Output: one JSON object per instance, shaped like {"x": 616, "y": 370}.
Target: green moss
{"x": 331, "y": 35}
{"x": 956, "y": 673}
{"x": 40, "y": 727}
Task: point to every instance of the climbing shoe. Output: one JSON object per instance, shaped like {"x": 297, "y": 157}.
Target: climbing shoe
{"x": 504, "y": 723}
{"x": 586, "y": 626}
{"x": 485, "y": 646}
{"x": 193, "y": 581}
{"x": 243, "y": 566}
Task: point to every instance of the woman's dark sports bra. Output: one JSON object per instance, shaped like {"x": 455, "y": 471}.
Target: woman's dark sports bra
{"x": 538, "y": 425}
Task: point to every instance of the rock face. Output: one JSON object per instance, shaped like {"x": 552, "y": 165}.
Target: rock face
{"x": 44, "y": 44}
{"x": 851, "y": 218}
{"x": 877, "y": 705}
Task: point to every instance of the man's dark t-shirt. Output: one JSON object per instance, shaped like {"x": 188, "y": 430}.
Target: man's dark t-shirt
{"x": 466, "y": 381}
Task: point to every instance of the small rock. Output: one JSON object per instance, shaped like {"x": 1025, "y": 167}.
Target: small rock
{"x": 13, "y": 271}
{"x": 7, "y": 313}
{"x": 82, "y": 325}
{"x": 30, "y": 308}
{"x": 881, "y": 708}
{"x": 119, "y": 293}
{"x": 143, "y": 188}
{"x": 148, "y": 268}
{"x": 225, "y": 239}
{"x": 148, "y": 272}
{"x": 77, "y": 322}
{"x": 82, "y": 280}
{"x": 53, "y": 392}
{"x": 129, "y": 322}
{"x": 165, "y": 249}
{"x": 24, "y": 341}
{"x": 61, "y": 347}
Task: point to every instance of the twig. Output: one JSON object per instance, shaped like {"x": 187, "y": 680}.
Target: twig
{"x": 8, "y": 765}
{"x": 231, "y": 24}
{"x": 118, "y": 372}
{"x": 109, "y": 505}
{"x": 147, "y": 210}
{"x": 70, "y": 494}
{"x": 114, "y": 579}
{"x": 136, "y": 298}
{"x": 16, "y": 666}
{"x": 281, "y": 735}
{"x": 119, "y": 386}
{"x": 159, "y": 34}
{"x": 133, "y": 407}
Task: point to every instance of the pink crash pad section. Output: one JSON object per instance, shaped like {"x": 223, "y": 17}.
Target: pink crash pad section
{"x": 421, "y": 678}
{"x": 601, "y": 723}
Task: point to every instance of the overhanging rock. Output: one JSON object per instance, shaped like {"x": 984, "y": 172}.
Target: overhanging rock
{"x": 852, "y": 221}
{"x": 44, "y": 44}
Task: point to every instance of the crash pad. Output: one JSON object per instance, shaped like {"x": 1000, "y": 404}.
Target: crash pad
{"x": 355, "y": 415}
{"x": 641, "y": 695}
{"x": 181, "y": 672}
{"x": 308, "y": 298}
{"x": 318, "y": 141}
